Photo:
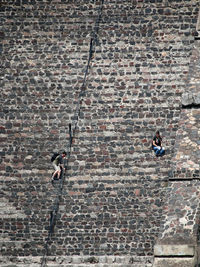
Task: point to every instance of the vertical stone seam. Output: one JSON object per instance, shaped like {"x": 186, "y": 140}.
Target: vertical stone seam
{"x": 53, "y": 213}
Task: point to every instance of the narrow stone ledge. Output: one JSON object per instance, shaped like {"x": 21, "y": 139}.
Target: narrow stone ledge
{"x": 175, "y": 262}
{"x": 174, "y": 250}
{"x": 175, "y": 255}
{"x": 79, "y": 261}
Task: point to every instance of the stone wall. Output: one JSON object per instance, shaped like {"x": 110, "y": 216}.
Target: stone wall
{"x": 179, "y": 234}
{"x": 115, "y": 188}
{"x": 44, "y": 54}
{"x": 186, "y": 156}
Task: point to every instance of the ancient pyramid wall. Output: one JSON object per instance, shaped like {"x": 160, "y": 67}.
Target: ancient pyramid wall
{"x": 114, "y": 191}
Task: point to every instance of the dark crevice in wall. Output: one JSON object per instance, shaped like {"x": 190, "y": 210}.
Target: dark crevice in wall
{"x": 192, "y": 106}
{"x": 183, "y": 180}
{"x": 72, "y": 131}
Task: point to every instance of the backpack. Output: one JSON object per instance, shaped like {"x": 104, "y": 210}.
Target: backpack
{"x": 54, "y": 156}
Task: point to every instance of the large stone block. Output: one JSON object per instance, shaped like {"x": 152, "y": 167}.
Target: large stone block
{"x": 174, "y": 250}
{"x": 190, "y": 98}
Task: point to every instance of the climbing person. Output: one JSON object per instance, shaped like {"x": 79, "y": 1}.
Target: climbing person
{"x": 58, "y": 164}
{"x": 157, "y": 145}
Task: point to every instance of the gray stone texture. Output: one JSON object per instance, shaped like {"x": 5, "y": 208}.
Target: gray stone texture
{"x": 180, "y": 225}
{"x": 179, "y": 231}
{"x": 115, "y": 189}
{"x": 185, "y": 163}
{"x": 175, "y": 262}
{"x": 79, "y": 261}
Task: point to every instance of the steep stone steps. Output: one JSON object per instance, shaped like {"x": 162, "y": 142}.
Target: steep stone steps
{"x": 25, "y": 215}
{"x": 114, "y": 193}
{"x": 107, "y": 206}
{"x": 80, "y": 261}
{"x": 82, "y": 265}
{"x": 41, "y": 101}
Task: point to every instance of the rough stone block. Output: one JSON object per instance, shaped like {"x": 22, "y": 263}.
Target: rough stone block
{"x": 187, "y": 99}
{"x": 174, "y": 250}
{"x": 190, "y": 98}
{"x": 175, "y": 262}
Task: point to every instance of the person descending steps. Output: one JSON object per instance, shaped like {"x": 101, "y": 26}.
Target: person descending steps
{"x": 58, "y": 164}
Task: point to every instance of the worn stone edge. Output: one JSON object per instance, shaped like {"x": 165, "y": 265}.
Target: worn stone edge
{"x": 77, "y": 259}
{"x": 174, "y": 250}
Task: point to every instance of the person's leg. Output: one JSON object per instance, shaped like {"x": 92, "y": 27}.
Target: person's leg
{"x": 56, "y": 172}
{"x": 162, "y": 151}
{"x": 59, "y": 172}
{"x": 156, "y": 149}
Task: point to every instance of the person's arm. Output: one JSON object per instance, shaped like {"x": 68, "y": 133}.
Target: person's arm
{"x": 154, "y": 143}
{"x": 62, "y": 163}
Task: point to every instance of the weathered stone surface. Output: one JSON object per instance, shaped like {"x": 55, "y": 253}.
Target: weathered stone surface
{"x": 115, "y": 190}
{"x": 179, "y": 230}
{"x": 189, "y": 99}
{"x": 175, "y": 262}
{"x": 174, "y": 250}
{"x": 79, "y": 261}
{"x": 179, "y": 227}
{"x": 185, "y": 162}
{"x": 180, "y": 217}
{"x": 197, "y": 99}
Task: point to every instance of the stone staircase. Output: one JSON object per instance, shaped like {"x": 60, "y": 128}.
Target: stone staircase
{"x": 79, "y": 261}
{"x": 115, "y": 188}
